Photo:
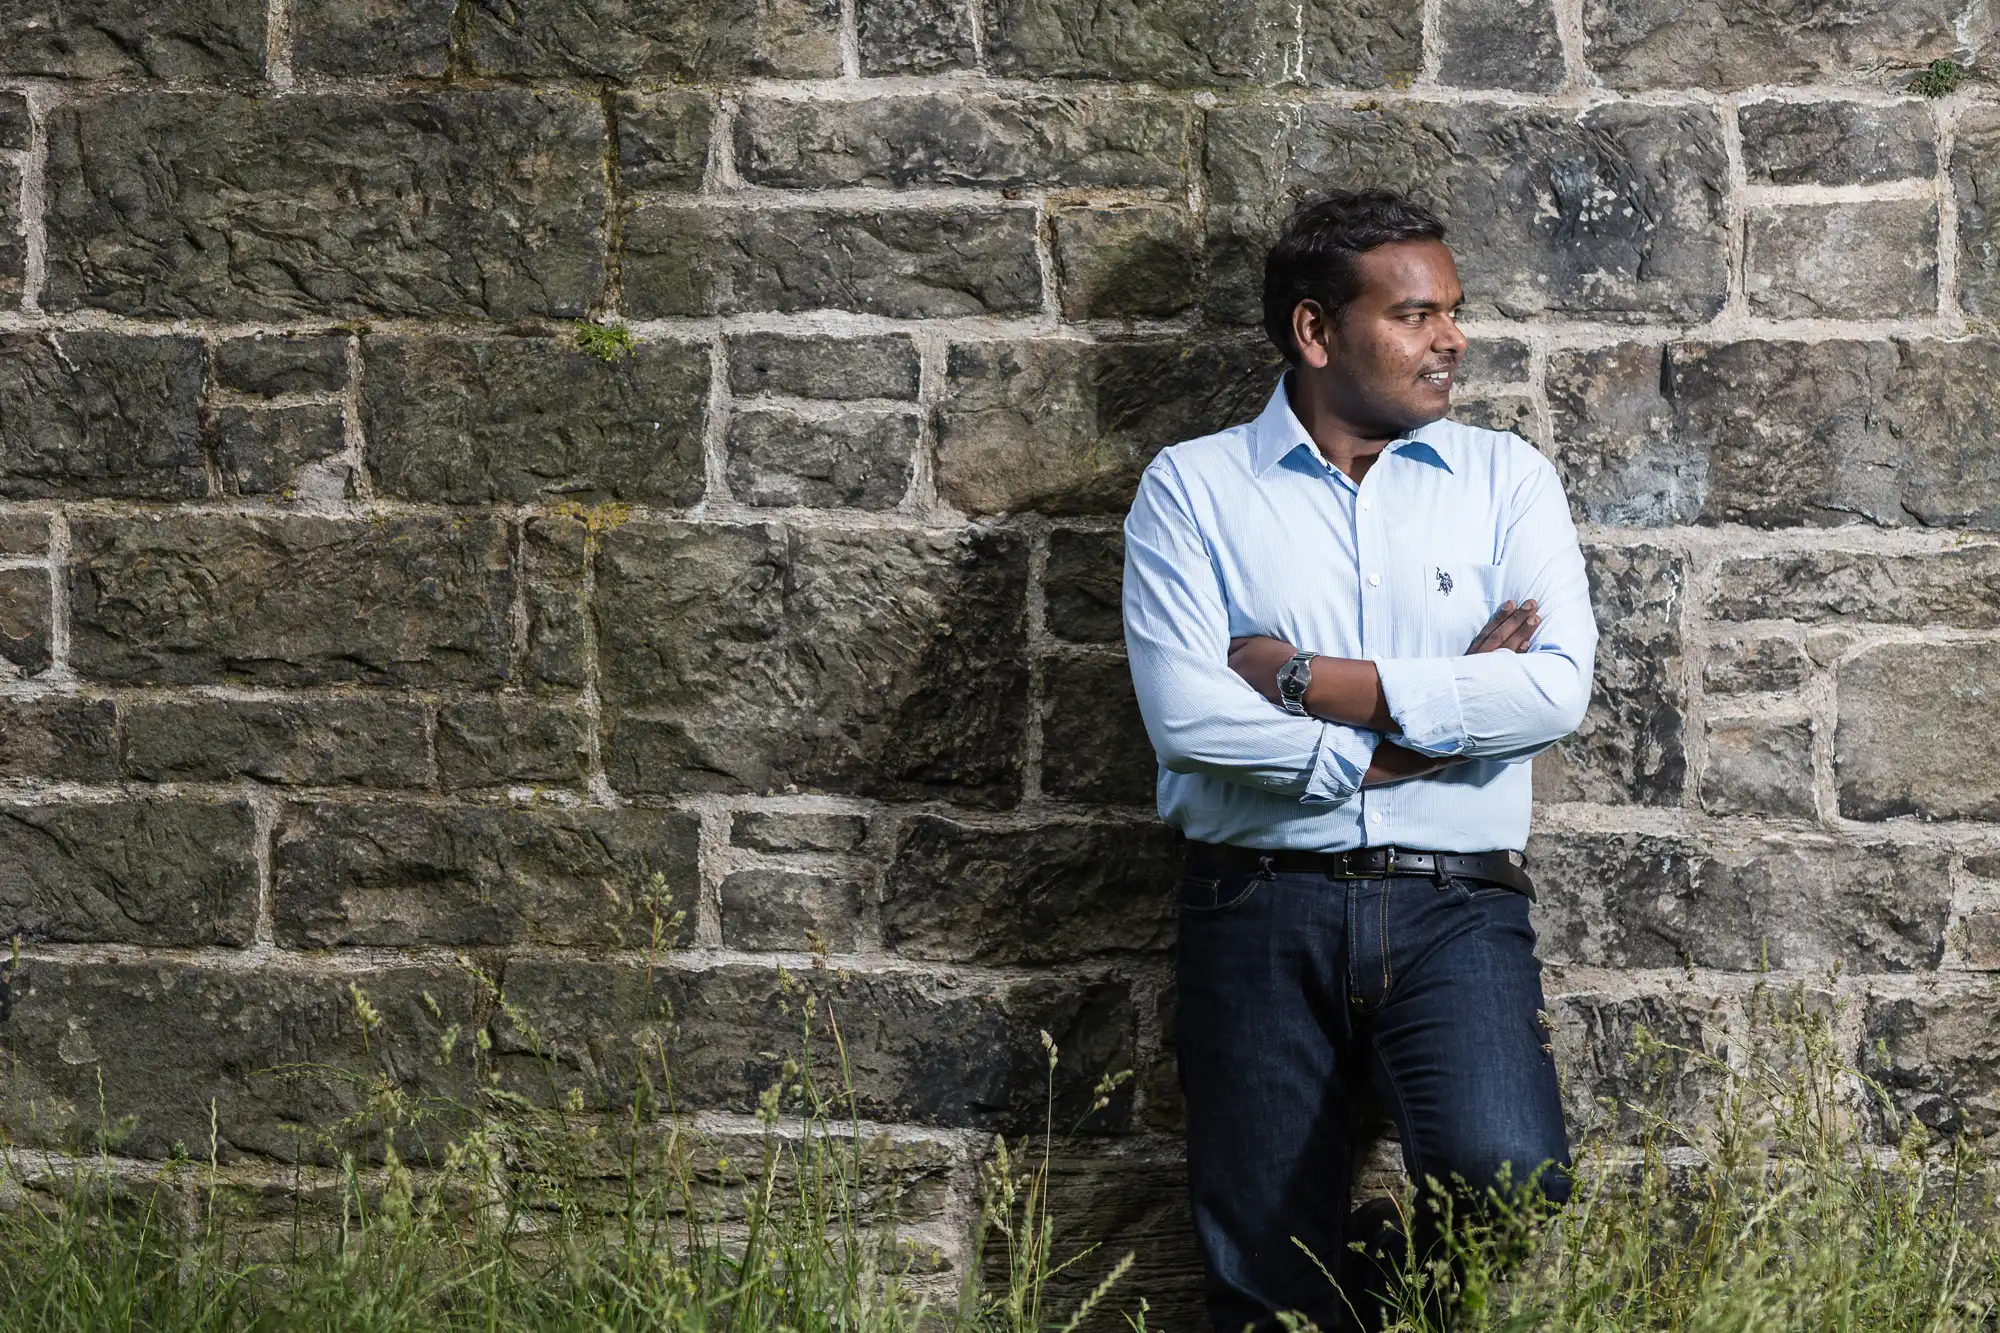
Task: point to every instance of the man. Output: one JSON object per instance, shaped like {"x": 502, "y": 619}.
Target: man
{"x": 1351, "y": 623}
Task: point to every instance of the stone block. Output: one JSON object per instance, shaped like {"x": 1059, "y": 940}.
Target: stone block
{"x": 789, "y": 831}
{"x": 1616, "y": 214}
{"x": 88, "y": 413}
{"x": 688, "y": 259}
{"x": 510, "y": 741}
{"x": 1500, "y": 44}
{"x": 62, "y": 737}
{"x": 1843, "y": 261}
{"x": 1977, "y": 939}
{"x": 1491, "y": 362}
{"x": 1975, "y": 180}
{"x": 16, "y": 125}
{"x": 478, "y": 421}
{"x": 394, "y": 876}
{"x": 1739, "y": 900}
{"x": 854, "y": 459}
{"x": 554, "y": 553}
{"x": 1758, "y": 765}
{"x": 1630, "y": 746}
{"x": 663, "y": 138}
{"x": 24, "y": 534}
{"x": 1094, "y": 745}
{"x": 13, "y": 237}
{"x": 685, "y": 40}
{"x": 26, "y": 609}
{"x": 365, "y": 742}
{"x": 914, "y": 36}
{"x": 455, "y": 204}
{"x": 1067, "y": 427}
{"x": 1719, "y": 46}
{"x": 1124, "y": 261}
{"x": 269, "y": 364}
{"x": 165, "y": 872}
{"x": 164, "y": 1042}
{"x": 1182, "y": 43}
{"x": 1914, "y": 729}
{"x": 1083, "y": 586}
{"x": 1959, "y": 585}
{"x": 1605, "y": 1078}
{"x": 768, "y": 908}
{"x": 1754, "y": 664}
{"x": 260, "y": 451}
{"x": 132, "y": 39}
{"x": 1094, "y": 140}
{"x": 1623, "y": 457}
{"x": 835, "y": 369}
{"x": 1935, "y": 1053}
{"x": 1055, "y": 892}
{"x": 210, "y": 599}
{"x": 716, "y": 672}
{"x": 921, "y": 1050}
{"x": 1836, "y": 143}
{"x": 1510, "y": 412}
{"x": 357, "y": 38}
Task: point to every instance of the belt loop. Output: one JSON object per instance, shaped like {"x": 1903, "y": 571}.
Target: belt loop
{"x": 1264, "y": 870}
{"x": 1438, "y": 875}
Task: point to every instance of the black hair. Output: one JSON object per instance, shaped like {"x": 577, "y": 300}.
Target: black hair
{"x": 1313, "y": 259}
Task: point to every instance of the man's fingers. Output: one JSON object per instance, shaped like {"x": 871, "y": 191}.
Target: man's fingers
{"x": 1485, "y": 640}
{"x": 1506, "y": 627}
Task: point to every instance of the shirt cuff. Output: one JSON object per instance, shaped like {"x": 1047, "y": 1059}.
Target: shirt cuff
{"x": 1422, "y": 693}
{"x": 1340, "y": 763}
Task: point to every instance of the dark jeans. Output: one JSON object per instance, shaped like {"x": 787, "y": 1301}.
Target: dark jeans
{"x": 1308, "y": 1008}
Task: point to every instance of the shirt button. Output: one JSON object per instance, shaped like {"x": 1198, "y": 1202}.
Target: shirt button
{"x": 1374, "y": 816}
{"x": 1374, "y": 580}
{"x": 1364, "y": 504}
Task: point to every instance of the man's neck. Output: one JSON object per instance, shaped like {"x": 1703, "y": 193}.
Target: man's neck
{"x": 1350, "y": 447}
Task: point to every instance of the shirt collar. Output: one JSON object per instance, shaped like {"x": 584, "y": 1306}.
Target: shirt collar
{"x": 1277, "y": 431}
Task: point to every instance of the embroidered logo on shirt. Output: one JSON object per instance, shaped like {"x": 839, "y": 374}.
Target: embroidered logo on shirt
{"x": 1444, "y": 583}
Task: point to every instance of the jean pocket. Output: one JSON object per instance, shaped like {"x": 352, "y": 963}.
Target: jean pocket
{"x": 1208, "y": 894}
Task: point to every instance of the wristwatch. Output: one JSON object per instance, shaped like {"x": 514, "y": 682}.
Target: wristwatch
{"x": 1293, "y": 677}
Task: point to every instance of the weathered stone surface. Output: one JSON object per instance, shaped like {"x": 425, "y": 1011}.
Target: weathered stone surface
{"x": 704, "y": 260}
{"x": 510, "y": 741}
{"x": 162, "y": 1042}
{"x": 670, "y": 39}
{"x": 1489, "y": 362}
{"x": 837, "y": 369}
{"x": 1836, "y": 143}
{"x": 267, "y": 365}
{"x": 1124, "y": 1199}
{"x": 101, "y": 39}
{"x": 1843, "y": 261}
{"x": 1595, "y": 1035}
{"x": 917, "y": 1051}
{"x": 663, "y": 138}
{"x": 1083, "y": 584}
{"x": 1720, "y": 46}
{"x": 1754, "y": 664}
{"x": 1956, "y": 586}
{"x": 24, "y": 534}
{"x": 1616, "y": 214}
{"x": 61, "y": 737}
{"x": 553, "y": 556}
{"x": 1092, "y": 140}
{"x": 854, "y": 459}
{"x": 520, "y": 419}
{"x": 771, "y": 831}
{"x": 460, "y": 204}
{"x": 1067, "y": 427}
{"x": 1500, "y": 44}
{"x": 202, "y": 599}
{"x": 1124, "y": 261}
{"x": 914, "y": 36}
{"x": 13, "y": 237}
{"x": 128, "y": 872}
{"x": 361, "y": 37}
{"x": 89, "y": 413}
{"x": 1622, "y": 456}
{"x": 789, "y": 909}
{"x": 1936, "y": 1053}
{"x": 1914, "y": 731}
{"x": 1797, "y": 901}
{"x": 16, "y": 125}
{"x": 1182, "y": 43}
{"x": 1055, "y": 892}
{"x": 1758, "y": 765}
{"x": 1094, "y": 745}
{"x": 260, "y": 451}
{"x": 1975, "y": 179}
{"x": 294, "y": 742}
{"x": 406, "y": 876}
{"x": 25, "y": 611}
{"x": 1512, "y": 412}
{"x": 1630, "y": 746}
{"x": 716, "y": 675}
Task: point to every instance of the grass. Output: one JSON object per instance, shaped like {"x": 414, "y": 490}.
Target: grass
{"x": 1940, "y": 78}
{"x": 606, "y": 342}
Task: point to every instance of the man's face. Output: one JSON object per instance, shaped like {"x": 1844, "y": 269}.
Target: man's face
{"x": 1389, "y": 362}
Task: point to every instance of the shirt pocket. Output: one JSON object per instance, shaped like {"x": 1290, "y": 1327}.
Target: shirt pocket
{"x": 1460, "y": 596}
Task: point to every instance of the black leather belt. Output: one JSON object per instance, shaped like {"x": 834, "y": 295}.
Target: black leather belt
{"x": 1508, "y": 869}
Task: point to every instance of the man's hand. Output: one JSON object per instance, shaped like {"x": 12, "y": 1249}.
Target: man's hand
{"x": 1512, "y": 627}
{"x": 1257, "y": 657}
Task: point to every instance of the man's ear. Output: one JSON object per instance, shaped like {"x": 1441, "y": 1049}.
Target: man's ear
{"x": 1312, "y": 334}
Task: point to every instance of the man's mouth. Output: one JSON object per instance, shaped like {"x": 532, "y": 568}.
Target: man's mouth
{"x": 1437, "y": 379}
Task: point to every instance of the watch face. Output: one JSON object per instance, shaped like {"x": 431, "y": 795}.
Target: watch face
{"x": 1294, "y": 677}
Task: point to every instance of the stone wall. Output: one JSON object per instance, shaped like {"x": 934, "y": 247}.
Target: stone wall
{"x": 358, "y": 619}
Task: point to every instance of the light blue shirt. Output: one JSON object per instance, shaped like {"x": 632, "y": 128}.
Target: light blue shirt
{"x": 1251, "y": 531}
